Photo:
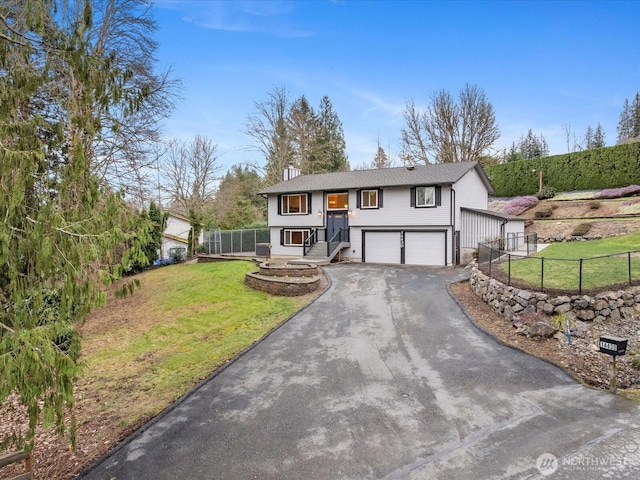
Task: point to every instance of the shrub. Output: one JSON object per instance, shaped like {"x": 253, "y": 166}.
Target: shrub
{"x": 581, "y": 229}
{"x": 620, "y": 192}
{"x": 547, "y": 192}
{"x": 520, "y": 204}
{"x": 559, "y": 320}
{"x": 544, "y": 213}
{"x": 594, "y": 205}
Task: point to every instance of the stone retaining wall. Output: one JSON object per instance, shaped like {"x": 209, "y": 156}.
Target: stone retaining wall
{"x": 510, "y": 301}
{"x": 284, "y": 286}
{"x": 288, "y": 270}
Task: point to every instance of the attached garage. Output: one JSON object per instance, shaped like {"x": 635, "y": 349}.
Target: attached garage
{"x": 408, "y": 247}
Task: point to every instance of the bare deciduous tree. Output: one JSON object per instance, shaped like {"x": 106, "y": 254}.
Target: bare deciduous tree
{"x": 191, "y": 172}
{"x": 450, "y": 131}
{"x": 267, "y": 127}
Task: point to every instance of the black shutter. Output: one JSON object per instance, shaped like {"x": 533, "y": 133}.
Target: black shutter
{"x": 358, "y": 198}
{"x": 380, "y": 198}
{"x": 413, "y": 197}
{"x": 279, "y": 204}
{"x": 309, "y": 203}
{"x": 282, "y": 236}
{"x": 438, "y": 195}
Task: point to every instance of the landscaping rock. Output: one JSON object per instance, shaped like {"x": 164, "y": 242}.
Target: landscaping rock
{"x": 542, "y": 329}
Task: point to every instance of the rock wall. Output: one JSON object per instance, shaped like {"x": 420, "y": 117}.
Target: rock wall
{"x": 289, "y": 286}
{"x": 511, "y": 302}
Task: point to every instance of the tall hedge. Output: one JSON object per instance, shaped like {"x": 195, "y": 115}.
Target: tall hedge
{"x": 608, "y": 167}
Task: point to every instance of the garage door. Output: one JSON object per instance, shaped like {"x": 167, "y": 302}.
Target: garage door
{"x": 382, "y": 247}
{"x": 424, "y": 248}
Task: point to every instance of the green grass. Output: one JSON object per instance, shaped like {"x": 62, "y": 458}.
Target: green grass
{"x": 143, "y": 352}
{"x": 562, "y": 266}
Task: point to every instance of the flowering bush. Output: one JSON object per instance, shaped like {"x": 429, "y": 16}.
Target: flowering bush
{"x": 520, "y": 204}
{"x": 620, "y": 192}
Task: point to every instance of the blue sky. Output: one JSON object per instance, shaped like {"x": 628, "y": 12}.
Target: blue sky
{"x": 541, "y": 64}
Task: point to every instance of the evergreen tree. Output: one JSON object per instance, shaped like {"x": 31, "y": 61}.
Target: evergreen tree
{"x": 599, "y": 137}
{"x": 237, "y": 203}
{"x": 629, "y": 124}
{"x": 303, "y": 127}
{"x": 512, "y": 154}
{"x": 63, "y": 228}
{"x": 330, "y": 143}
{"x": 380, "y": 160}
{"x": 532, "y": 146}
{"x": 588, "y": 138}
{"x": 635, "y": 117}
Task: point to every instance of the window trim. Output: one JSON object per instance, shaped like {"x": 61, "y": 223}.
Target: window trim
{"x": 433, "y": 197}
{"x": 306, "y": 204}
{"x": 437, "y": 196}
{"x": 361, "y": 197}
{"x": 290, "y": 230}
{"x": 339, "y": 209}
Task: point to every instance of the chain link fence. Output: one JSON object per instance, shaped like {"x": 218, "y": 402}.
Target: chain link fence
{"x": 217, "y": 242}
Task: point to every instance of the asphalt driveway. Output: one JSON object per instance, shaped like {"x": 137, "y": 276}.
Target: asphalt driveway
{"x": 385, "y": 377}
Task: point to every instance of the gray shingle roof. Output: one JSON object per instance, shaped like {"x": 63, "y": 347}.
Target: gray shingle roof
{"x": 439, "y": 174}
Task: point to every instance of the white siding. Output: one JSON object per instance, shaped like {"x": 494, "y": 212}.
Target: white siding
{"x": 312, "y": 220}
{"x": 168, "y": 244}
{"x": 178, "y": 227}
{"x": 397, "y": 211}
{"x": 471, "y": 192}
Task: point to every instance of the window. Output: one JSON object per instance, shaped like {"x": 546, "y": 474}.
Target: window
{"x": 295, "y": 204}
{"x": 337, "y": 201}
{"x": 295, "y": 237}
{"x": 426, "y": 196}
{"x": 369, "y": 199}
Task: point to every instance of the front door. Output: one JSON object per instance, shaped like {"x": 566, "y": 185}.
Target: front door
{"x": 335, "y": 222}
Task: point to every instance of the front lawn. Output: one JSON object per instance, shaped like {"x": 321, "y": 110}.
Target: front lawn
{"x": 561, "y": 263}
{"x": 185, "y": 321}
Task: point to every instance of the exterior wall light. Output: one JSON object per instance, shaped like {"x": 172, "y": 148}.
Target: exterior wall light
{"x": 319, "y": 213}
{"x": 350, "y": 212}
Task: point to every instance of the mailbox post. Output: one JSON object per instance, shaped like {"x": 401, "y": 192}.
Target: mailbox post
{"x": 614, "y": 346}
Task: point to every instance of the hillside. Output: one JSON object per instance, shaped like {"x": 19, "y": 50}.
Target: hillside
{"x": 607, "y": 217}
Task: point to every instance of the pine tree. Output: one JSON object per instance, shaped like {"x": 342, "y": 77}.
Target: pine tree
{"x": 303, "y": 128}
{"x": 330, "y": 143}
{"x": 599, "y": 137}
{"x": 624, "y": 128}
{"x": 588, "y": 138}
{"x": 532, "y": 146}
{"x": 635, "y": 118}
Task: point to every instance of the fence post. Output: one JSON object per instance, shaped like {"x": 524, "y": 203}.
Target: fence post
{"x": 490, "y": 259}
{"x": 542, "y": 274}
{"x": 580, "y": 279}
{"x": 629, "y": 262}
{"x": 509, "y": 274}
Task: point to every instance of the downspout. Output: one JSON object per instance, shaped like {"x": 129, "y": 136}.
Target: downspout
{"x": 453, "y": 225}
{"x": 503, "y": 234}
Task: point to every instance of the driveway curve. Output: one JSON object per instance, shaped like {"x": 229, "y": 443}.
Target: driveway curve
{"x": 385, "y": 377}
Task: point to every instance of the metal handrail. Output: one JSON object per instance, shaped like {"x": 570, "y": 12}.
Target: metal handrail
{"x": 339, "y": 235}
{"x": 309, "y": 242}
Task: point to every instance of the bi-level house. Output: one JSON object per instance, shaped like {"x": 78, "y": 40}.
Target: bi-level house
{"x": 422, "y": 215}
